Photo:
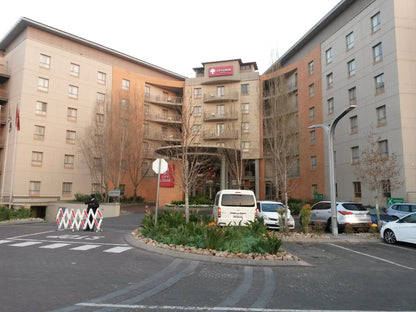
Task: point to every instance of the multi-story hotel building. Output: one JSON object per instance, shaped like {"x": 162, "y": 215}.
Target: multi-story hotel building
{"x": 361, "y": 53}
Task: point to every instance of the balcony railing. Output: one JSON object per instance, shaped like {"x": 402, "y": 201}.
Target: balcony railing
{"x": 169, "y": 119}
{"x": 214, "y": 116}
{"x": 164, "y": 100}
{"x": 169, "y": 137}
{"x": 215, "y": 98}
{"x": 4, "y": 74}
{"x": 219, "y": 135}
{"x": 4, "y": 96}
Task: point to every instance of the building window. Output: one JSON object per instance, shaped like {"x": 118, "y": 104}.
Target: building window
{"x": 34, "y": 188}
{"x": 197, "y": 111}
{"x": 45, "y": 61}
{"x": 245, "y": 126}
{"x": 43, "y": 84}
{"x": 328, "y": 55}
{"x": 197, "y": 129}
{"x": 312, "y": 113}
{"x": 244, "y": 88}
{"x": 124, "y": 104}
{"x": 72, "y": 114}
{"x": 310, "y": 68}
{"x": 375, "y": 22}
{"x": 386, "y": 187}
{"x": 41, "y": 108}
{"x": 311, "y": 90}
{"x": 357, "y": 189}
{"x": 350, "y": 40}
{"x": 39, "y": 133}
{"x": 66, "y": 188}
{"x": 330, "y": 104}
{"x": 97, "y": 163}
{"x": 379, "y": 81}
{"x": 69, "y": 161}
{"x": 384, "y": 149}
{"x": 351, "y": 68}
{"x": 329, "y": 80}
{"x": 100, "y": 98}
{"x": 70, "y": 136}
{"x": 146, "y": 90}
{"x": 352, "y": 96}
{"x": 74, "y": 69}
{"x": 245, "y": 108}
{"x": 220, "y": 91}
{"x": 197, "y": 93}
{"x": 37, "y": 159}
{"x": 125, "y": 84}
{"x": 314, "y": 189}
{"x": 73, "y": 92}
{"x": 381, "y": 115}
{"x": 313, "y": 162}
{"x": 99, "y": 118}
{"x": 378, "y": 52}
{"x": 245, "y": 146}
{"x": 220, "y": 129}
{"x": 312, "y": 136}
{"x": 101, "y": 77}
{"x": 220, "y": 110}
{"x": 355, "y": 155}
{"x": 146, "y": 109}
{"x": 354, "y": 124}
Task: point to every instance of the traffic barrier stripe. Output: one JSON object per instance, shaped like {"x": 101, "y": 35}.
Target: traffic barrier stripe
{"x": 76, "y": 219}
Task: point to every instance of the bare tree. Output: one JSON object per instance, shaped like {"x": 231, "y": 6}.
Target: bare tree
{"x": 190, "y": 154}
{"x": 280, "y": 126}
{"x": 378, "y": 170}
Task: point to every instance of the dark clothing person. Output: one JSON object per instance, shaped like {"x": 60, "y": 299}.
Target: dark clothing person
{"x": 92, "y": 205}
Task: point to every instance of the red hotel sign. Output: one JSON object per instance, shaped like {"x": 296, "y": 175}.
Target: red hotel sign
{"x": 220, "y": 71}
{"x": 167, "y": 179}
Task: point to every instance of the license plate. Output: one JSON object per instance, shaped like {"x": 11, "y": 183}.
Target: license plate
{"x": 240, "y": 216}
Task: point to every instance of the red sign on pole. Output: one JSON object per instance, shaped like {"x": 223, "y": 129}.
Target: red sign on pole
{"x": 220, "y": 71}
{"x": 167, "y": 179}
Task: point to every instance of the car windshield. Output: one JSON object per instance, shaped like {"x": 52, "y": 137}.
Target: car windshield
{"x": 272, "y": 207}
{"x": 238, "y": 200}
{"x": 354, "y": 206}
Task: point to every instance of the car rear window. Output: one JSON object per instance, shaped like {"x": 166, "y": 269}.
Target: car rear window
{"x": 238, "y": 200}
{"x": 354, "y": 206}
{"x": 271, "y": 207}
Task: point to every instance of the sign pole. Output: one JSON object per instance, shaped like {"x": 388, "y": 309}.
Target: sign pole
{"x": 158, "y": 187}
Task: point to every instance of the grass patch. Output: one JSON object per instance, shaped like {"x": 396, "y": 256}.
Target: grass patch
{"x": 202, "y": 232}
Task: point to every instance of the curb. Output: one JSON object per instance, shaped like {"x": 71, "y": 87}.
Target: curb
{"x": 206, "y": 258}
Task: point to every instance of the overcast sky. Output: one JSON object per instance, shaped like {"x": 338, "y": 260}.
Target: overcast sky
{"x": 179, "y": 35}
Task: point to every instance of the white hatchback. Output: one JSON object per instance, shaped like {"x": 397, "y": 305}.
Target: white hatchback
{"x": 271, "y": 212}
{"x": 402, "y": 230}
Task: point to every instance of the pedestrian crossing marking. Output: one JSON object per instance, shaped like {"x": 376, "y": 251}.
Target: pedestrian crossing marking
{"x": 117, "y": 249}
{"x": 4, "y": 241}
{"x": 53, "y": 246}
{"x": 25, "y": 244}
{"x": 85, "y": 247}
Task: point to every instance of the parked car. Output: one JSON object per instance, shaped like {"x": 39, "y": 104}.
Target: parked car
{"x": 401, "y": 210}
{"x": 271, "y": 212}
{"x": 234, "y": 207}
{"x": 401, "y": 230}
{"x": 384, "y": 218}
{"x": 348, "y": 213}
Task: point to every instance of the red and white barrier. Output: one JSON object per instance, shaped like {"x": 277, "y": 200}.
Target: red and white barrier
{"x": 79, "y": 219}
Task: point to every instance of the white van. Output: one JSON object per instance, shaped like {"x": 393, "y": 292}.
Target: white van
{"x": 234, "y": 207}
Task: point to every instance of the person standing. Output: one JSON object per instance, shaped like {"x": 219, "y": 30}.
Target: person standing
{"x": 92, "y": 206}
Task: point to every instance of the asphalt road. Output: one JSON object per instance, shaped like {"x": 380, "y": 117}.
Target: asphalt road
{"x": 42, "y": 269}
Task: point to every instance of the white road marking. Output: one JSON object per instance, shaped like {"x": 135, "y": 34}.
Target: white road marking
{"x": 54, "y": 246}
{"x": 117, "y": 249}
{"x": 31, "y": 234}
{"x": 25, "y": 244}
{"x": 374, "y": 257}
{"x": 3, "y": 241}
{"x": 85, "y": 247}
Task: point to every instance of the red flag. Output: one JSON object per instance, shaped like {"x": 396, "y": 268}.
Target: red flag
{"x": 17, "y": 118}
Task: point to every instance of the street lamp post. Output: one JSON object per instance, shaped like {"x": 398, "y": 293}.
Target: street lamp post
{"x": 330, "y": 130}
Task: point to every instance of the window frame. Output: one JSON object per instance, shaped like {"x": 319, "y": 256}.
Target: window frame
{"x": 379, "y": 83}
{"x": 328, "y": 56}
{"x": 66, "y": 188}
{"x": 70, "y": 137}
{"x": 353, "y": 124}
{"x": 37, "y": 159}
{"x": 378, "y": 52}
{"x": 355, "y": 155}
{"x": 74, "y": 69}
{"x": 381, "y": 115}
{"x": 197, "y": 93}
{"x": 350, "y": 41}
{"x": 45, "y": 61}
{"x": 245, "y": 89}
{"x": 310, "y": 68}
{"x": 43, "y": 84}
{"x": 69, "y": 161}
{"x": 357, "y": 189}
{"x": 330, "y": 105}
{"x": 72, "y": 117}
{"x": 101, "y": 77}
{"x": 352, "y": 96}
{"x": 34, "y": 188}
{"x": 73, "y": 92}
{"x": 125, "y": 84}
{"x": 375, "y": 26}
{"x": 351, "y": 67}
{"x": 39, "y": 133}
{"x": 41, "y": 108}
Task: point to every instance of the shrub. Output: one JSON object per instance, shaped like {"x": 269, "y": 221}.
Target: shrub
{"x": 10, "y": 214}
{"x": 202, "y": 232}
{"x": 4, "y": 213}
{"x": 305, "y": 218}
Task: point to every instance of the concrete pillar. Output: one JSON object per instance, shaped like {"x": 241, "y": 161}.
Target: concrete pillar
{"x": 223, "y": 173}
{"x": 257, "y": 176}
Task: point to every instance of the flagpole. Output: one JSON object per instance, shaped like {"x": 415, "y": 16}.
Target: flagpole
{"x": 9, "y": 124}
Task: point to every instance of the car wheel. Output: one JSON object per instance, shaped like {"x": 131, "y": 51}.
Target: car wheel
{"x": 389, "y": 237}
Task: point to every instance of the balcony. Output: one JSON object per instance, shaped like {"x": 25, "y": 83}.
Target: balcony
{"x": 164, "y": 100}
{"x": 4, "y": 96}
{"x": 216, "y": 98}
{"x": 166, "y": 137}
{"x": 4, "y": 74}
{"x": 223, "y": 135}
{"x": 164, "y": 119}
{"x": 220, "y": 116}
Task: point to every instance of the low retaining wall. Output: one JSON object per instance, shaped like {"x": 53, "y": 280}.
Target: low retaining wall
{"x": 108, "y": 210}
